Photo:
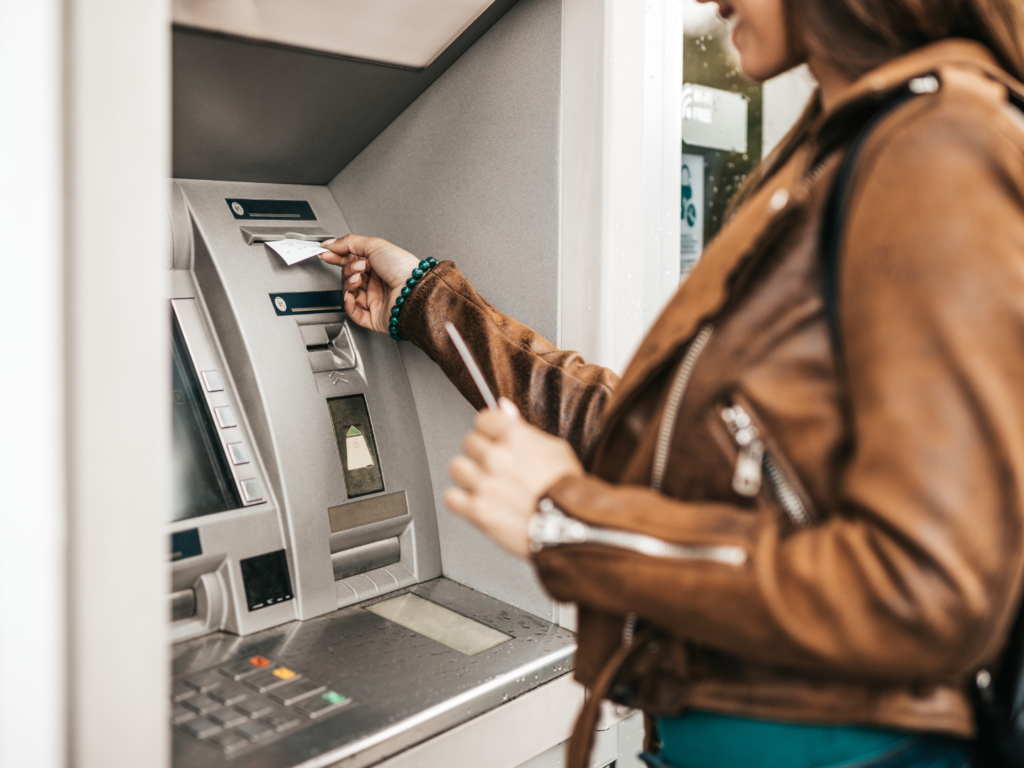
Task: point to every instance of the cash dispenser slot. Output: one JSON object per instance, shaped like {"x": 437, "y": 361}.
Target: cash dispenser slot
{"x": 368, "y": 557}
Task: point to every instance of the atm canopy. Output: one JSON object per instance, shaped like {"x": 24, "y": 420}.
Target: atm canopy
{"x": 290, "y": 91}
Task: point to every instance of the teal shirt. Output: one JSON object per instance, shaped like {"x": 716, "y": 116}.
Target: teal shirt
{"x": 705, "y": 740}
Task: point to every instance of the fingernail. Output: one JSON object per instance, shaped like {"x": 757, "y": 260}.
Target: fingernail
{"x": 325, "y": 243}
{"x": 508, "y": 407}
{"x": 359, "y": 266}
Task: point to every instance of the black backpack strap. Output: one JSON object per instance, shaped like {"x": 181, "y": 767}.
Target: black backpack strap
{"x": 838, "y": 202}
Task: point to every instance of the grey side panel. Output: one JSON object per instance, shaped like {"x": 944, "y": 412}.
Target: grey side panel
{"x": 470, "y": 172}
{"x": 248, "y": 111}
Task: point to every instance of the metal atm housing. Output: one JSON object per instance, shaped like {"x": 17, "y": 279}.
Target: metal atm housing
{"x": 314, "y": 622}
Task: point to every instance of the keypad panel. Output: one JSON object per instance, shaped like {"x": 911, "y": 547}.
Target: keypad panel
{"x": 249, "y": 701}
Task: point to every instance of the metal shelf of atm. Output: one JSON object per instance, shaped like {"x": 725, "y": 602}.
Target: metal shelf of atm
{"x": 398, "y": 687}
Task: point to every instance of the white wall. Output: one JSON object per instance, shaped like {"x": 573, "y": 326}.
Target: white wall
{"x": 32, "y": 501}
{"x": 83, "y": 339}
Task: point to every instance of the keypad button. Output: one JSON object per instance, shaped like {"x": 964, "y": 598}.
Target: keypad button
{"x": 201, "y": 704}
{"x": 180, "y": 692}
{"x": 270, "y": 679}
{"x": 201, "y": 728}
{"x": 238, "y": 670}
{"x": 282, "y": 719}
{"x": 322, "y": 704}
{"x": 213, "y": 381}
{"x": 180, "y": 714}
{"x": 251, "y": 490}
{"x": 228, "y": 742}
{"x": 225, "y": 417}
{"x": 227, "y": 718}
{"x": 296, "y": 691}
{"x": 255, "y": 706}
{"x": 204, "y": 682}
{"x": 238, "y": 454}
{"x": 229, "y": 693}
{"x": 255, "y": 730}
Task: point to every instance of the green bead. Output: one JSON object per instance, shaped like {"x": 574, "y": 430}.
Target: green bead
{"x": 393, "y": 321}
{"x": 433, "y": 262}
{"x": 417, "y": 273}
{"x": 400, "y": 301}
{"x": 395, "y": 310}
{"x": 411, "y": 282}
{"x": 425, "y": 265}
{"x": 406, "y": 291}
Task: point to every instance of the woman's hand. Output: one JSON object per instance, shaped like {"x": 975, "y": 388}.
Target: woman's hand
{"x": 373, "y": 273}
{"x": 506, "y": 467}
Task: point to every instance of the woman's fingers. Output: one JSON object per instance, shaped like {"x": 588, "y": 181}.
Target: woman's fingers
{"x": 465, "y": 472}
{"x": 496, "y": 424}
{"x": 458, "y": 501}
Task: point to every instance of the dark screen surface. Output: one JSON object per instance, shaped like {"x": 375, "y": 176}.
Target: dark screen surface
{"x": 201, "y": 477}
{"x": 266, "y": 579}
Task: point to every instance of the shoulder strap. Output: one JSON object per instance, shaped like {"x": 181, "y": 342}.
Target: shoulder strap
{"x": 835, "y": 210}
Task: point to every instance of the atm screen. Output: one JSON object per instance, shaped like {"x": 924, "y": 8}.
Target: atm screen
{"x": 201, "y": 477}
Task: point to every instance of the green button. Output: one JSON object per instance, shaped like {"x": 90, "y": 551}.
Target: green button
{"x": 333, "y": 698}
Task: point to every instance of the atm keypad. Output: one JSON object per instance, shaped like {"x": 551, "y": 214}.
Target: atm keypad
{"x": 228, "y": 718}
{"x": 238, "y": 670}
{"x": 230, "y": 693}
{"x": 201, "y": 728}
{"x": 204, "y": 682}
{"x": 180, "y": 692}
{"x": 201, "y": 704}
{"x": 296, "y": 692}
{"x": 248, "y": 701}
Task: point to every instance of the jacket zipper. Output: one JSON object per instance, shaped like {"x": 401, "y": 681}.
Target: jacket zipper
{"x": 675, "y": 399}
{"x": 559, "y": 528}
{"x": 752, "y": 456}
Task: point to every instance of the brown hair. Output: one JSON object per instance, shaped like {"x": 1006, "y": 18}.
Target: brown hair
{"x": 856, "y": 36}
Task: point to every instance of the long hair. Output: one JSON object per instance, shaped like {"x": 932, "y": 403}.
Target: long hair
{"x": 856, "y": 36}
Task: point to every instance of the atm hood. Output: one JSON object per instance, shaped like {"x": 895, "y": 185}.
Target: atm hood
{"x": 290, "y": 91}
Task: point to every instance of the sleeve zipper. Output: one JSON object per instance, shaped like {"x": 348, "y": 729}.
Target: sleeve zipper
{"x": 752, "y": 457}
{"x": 552, "y": 527}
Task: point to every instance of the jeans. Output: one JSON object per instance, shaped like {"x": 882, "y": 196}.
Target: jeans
{"x": 918, "y": 751}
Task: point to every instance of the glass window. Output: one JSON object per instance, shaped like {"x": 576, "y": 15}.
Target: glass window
{"x": 722, "y": 128}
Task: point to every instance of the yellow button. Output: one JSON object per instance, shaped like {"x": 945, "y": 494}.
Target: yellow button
{"x": 284, "y": 673}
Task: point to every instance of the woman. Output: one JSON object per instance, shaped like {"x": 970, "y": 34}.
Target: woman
{"x": 786, "y": 551}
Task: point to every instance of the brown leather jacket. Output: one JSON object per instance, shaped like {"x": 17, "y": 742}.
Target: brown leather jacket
{"x": 871, "y": 562}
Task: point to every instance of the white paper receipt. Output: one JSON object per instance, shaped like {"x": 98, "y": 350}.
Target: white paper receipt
{"x": 294, "y": 251}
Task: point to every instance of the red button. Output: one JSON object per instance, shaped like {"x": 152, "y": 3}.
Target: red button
{"x": 259, "y": 661}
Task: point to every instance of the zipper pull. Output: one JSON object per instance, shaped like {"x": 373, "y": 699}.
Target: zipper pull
{"x": 746, "y": 478}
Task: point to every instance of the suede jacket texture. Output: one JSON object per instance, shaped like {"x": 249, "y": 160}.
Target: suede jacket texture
{"x": 865, "y": 558}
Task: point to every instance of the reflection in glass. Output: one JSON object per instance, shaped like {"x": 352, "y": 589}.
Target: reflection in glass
{"x": 201, "y": 478}
{"x": 710, "y": 60}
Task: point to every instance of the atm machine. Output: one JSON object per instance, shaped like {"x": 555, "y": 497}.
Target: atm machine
{"x": 312, "y": 624}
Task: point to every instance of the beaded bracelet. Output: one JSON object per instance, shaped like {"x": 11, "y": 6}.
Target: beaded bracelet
{"x": 417, "y": 274}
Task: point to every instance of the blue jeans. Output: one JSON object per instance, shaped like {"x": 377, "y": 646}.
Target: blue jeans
{"x": 917, "y": 751}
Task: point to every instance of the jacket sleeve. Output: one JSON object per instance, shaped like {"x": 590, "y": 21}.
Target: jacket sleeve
{"x": 917, "y": 572}
{"x": 554, "y": 390}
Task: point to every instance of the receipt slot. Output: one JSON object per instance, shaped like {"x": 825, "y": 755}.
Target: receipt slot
{"x": 312, "y": 624}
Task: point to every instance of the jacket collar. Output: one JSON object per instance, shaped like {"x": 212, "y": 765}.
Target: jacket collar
{"x": 865, "y": 93}
{"x": 773, "y": 206}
